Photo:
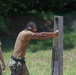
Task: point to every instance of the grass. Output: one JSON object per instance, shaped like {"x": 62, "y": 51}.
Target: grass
{"x": 39, "y": 63}
{"x": 38, "y": 56}
{"x": 70, "y": 62}
{"x": 69, "y": 40}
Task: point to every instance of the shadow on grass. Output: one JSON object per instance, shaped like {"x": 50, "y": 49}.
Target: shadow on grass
{"x": 38, "y": 45}
{"x": 8, "y": 43}
{"x": 69, "y": 41}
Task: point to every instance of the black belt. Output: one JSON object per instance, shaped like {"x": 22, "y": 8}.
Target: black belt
{"x": 18, "y": 59}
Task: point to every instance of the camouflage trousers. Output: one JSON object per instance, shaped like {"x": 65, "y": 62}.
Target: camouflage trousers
{"x": 0, "y": 70}
{"x": 18, "y": 67}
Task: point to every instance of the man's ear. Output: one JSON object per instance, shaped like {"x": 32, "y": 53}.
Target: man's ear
{"x": 29, "y": 28}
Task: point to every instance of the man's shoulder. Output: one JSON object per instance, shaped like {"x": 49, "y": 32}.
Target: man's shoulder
{"x": 24, "y": 32}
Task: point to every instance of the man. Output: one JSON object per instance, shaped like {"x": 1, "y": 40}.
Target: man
{"x": 2, "y": 60}
{"x": 17, "y": 63}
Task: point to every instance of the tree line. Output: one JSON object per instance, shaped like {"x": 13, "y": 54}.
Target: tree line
{"x": 19, "y": 6}
{"x": 11, "y": 7}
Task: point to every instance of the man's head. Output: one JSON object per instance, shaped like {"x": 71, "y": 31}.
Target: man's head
{"x": 31, "y": 26}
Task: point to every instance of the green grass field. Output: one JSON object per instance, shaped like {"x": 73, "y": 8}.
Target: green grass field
{"x": 38, "y": 56}
{"x": 39, "y": 63}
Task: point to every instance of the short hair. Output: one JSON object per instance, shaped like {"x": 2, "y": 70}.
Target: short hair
{"x": 30, "y": 25}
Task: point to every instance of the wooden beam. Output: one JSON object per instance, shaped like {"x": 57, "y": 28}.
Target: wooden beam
{"x": 57, "y": 53}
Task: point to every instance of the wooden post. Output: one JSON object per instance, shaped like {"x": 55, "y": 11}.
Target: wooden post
{"x": 57, "y": 53}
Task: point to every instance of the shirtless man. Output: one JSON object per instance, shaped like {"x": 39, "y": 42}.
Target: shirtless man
{"x": 2, "y": 60}
{"x": 17, "y": 62}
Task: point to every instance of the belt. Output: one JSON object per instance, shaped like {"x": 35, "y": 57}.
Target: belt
{"x": 18, "y": 59}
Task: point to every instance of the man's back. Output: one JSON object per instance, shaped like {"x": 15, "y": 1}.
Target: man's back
{"x": 21, "y": 43}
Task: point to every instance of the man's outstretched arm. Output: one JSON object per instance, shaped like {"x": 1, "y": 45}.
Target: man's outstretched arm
{"x": 2, "y": 59}
{"x": 45, "y": 35}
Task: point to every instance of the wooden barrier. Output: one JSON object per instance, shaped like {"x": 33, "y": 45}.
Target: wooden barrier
{"x": 57, "y": 53}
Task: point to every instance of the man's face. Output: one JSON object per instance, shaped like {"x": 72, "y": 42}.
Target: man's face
{"x": 34, "y": 29}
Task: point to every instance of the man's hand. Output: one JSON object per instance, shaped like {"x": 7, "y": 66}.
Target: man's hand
{"x": 56, "y": 33}
{"x": 3, "y": 66}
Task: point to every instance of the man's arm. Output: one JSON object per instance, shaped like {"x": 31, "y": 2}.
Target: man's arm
{"x": 2, "y": 59}
{"x": 45, "y": 35}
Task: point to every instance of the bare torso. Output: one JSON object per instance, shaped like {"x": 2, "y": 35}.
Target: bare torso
{"x": 21, "y": 43}
{"x": 24, "y": 38}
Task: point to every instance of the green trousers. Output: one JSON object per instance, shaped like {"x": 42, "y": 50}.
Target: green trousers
{"x": 18, "y": 68}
